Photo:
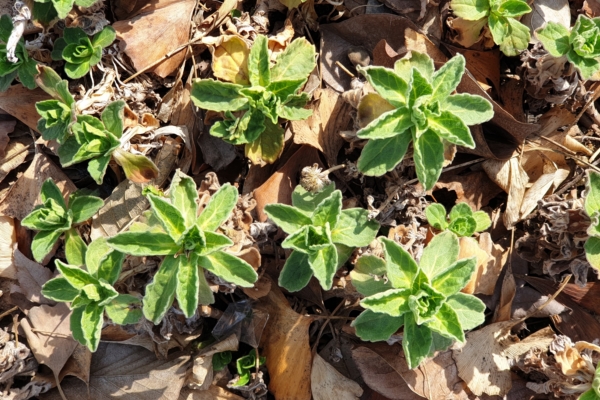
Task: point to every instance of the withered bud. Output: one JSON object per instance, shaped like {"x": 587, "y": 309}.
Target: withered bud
{"x": 138, "y": 168}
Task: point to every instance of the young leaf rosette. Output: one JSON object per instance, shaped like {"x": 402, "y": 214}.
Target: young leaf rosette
{"x": 91, "y": 293}
{"x": 190, "y": 244}
{"x": 321, "y": 234}
{"x": 59, "y": 113}
{"x": 14, "y": 64}
{"x": 98, "y": 141}
{"x": 416, "y": 104}
{"x": 79, "y": 52}
{"x": 423, "y": 298}
{"x": 252, "y": 107}
{"x": 53, "y": 217}
{"x": 462, "y": 221}
{"x": 581, "y": 45}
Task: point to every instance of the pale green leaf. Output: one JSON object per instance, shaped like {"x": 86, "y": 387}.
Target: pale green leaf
{"x": 183, "y": 196}
{"x": 328, "y": 211}
{"x": 468, "y": 308}
{"x": 49, "y": 190}
{"x": 124, "y": 309}
{"x": 483, "y": 221}
{"x": 205, "y": 294}
{"x": 169, "y": 216}
{"x": 258, "y": 62}
{"x": 106, "y": 36}
{"x": 324, "y": 263}
{"x": 187, "y": 286}
{"x": 436, "y": 216}
{"x": 92, "y": 320}
{"x": 77, "y": 277}
{"x": 214, "y": 242}
{"x": 447, "y": 78}
{"x": 144, "y": 243}
{"x": 76, "y": 328}
{"x": 428, "y": 157}
{"x": 369, "y": 276}
{"x": 460, "y": 210}
{"x": 517, "y": 38}
{"x": 218, "y": 208}
{"x": 112, "y": 117}
{"x": 43, "y": 242}
{"x": 416, "y": 342}
{"x": 288, "y": 218}
{"x": 296, "y": 62}
{"x": 420, "y": 61}
{"x": 447, "y": 324}
{"x": 59, "y": 289}
{"x": 555, "y": 38}
{"x": 161, "y": 292}
{"x": 455, "y": 277}
{"x": 84, "y": 207}
{"x": 392, "y": 302}
{"x": 592, "y": 252}
{"x": 269, "y": 145}
{"x": 97, "y": 167}
{"x": 586, "y": 66}
{"x": 229, "y": 267}
{"x": 354, "y": 228}
{"x": 472, "y": 110}
{"x": 592, "y": 200}
{"x": 296, "y": 272}
{"x": 389, "y": 124}
{"x": 470, "y": 10}
{"x": 75, "y": 248}
{"x": 401, "y": 267}
{"x": 389, "y": 85}
{"x": 217, "y": 96}
{"x": 375, "y": 327}
{"x": 440, "y": 254}
{"x": 513, "y": 8}
{"x": 306, "y": 201}
{"x": 382, "y": 155}
{"x": 463, "y": 226}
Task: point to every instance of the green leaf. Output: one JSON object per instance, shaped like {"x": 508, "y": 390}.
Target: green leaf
{"x": 27, "y": 73}
{"x": 76, "y": 71}
{"x": 589, "y": 395}
{"x": 416, "y": 342}
{"x": 440, "y": 254}
{"x": 375, "y": 327}
{"x": 392, "y": 302}
{"x": 451, "y": 128}
{"x": 420, "y": 61}
{"x": 468, "y": 308}
{"x": 76, "y": 327}
{"x": 6, "y": 27}
{"x": 49, "y": 190}
{"x": 483, "y": 221}
{"x": 463, "y": 226}
{"x": 124, "y": 309}
{"x": 296, "y": 272}
{"x": 555, "y": 38}
{"x": 354, "y": 228}
{"x": 183, "y": 194}
{"x": 169, "y": 216}
{"x": 592, "y": 200}
{"x": 75, "y": 248}
{"x": 214, "y": 242}
{"x": 97, "y": 167}
{"x": 471, "y": 10}
{"x": 229, "y": 267}
{"x": 43, "y": 242}
{"x": 269, "y": 145}
{"x": 472, "y": 110}
{"x": 389, "y": 85}
{"x": 92, "y": 320}
{"x": 369, "y": 276}
{"x": 447, "y": 78}
{"x": 258, "y": 62}
{"x": 293, "y": 109}
{"x": 288, "y": 218}
{"x": 96, "y": 252}
{"x": 218, "y": 209}
{"x": 436, "y": 216}
{"x": 296, "y": 62}
{"x": 217, "y": 96}
{"x": 306, "y": 201}
{"x": 161, "y": 292}
{"x": 144, "y": 243}
{"x": 6, "y": 80}
{"x": 389, "y": 124}
{"x": 187, "y": 286}
{"x": 517, "y": 37}
{"x": 420, "y": 87}
{"x": 59, "y": 289}
{"x": 105, "y": 37}
{"x": 586, "y": 66}
{"x": 380, "y": 156}
{"x": 324, "y": 263}
{"x": 112, "y": 117}
{"x": 284, "y": 89}
{"x": 446, "y": 323}
{"x": 592, "y": 251}
{"x": 49, "y": 81}
{"x": 205, "y": 294}
{"x": 328, "y": 211}
{"x": 400, "y": 266}
{"x": 513, "y": 8}
{"x": 85, "y": 207}
{"x": 77, "y": 277}
{"x": 460, "y": 210}
{"x": 455, "y": 277}
{"x": 220, "y": 360}
{"x": 428, "y": 157}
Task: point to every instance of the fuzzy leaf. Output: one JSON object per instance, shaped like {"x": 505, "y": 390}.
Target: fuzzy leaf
{"x": 43, "y": 242}
{"x": 112, "y": 117}
{"x": 592, "y": 200}
{"x": 105, "y": 37}
{"x": 324, "y": 263}
{"x": 463, "y": 226}
{"x": 472, "y": 110}
{"x": 468, "y": 308}
{"x": 369, "y": 276}
{"x": 269, "y": 145}
{"x": 460, "y": 210}
{"x": 555, "y": 38}
{"x": 124, "y": 309}
{"x": 288, "y": 218}
{"x": 428, "y": 157}
{"x": 144, "y": 243}
{"x": 183, "y": 196}
{"x": 513, "y": 8}
{"x": 416, "y": 342}
{"x": 92, "y": 320}
{"x": 187, "y": 286}
{"x": 296, "y": 62}
{"x": 49, "y": 190}
{"x": 392, "y": 302}
{"x": 420, "y": 61}
{"x": 354, "y": 228}
{"x": 440, "y": 254}
{"x": 447, "y": 78}
{"x": 455, "y": 277}
{"x": 388, "y": 125}
{"x": 436, "y": 216}
{"x": 77, "y": 277}
{"x": 328, "y": 211}
{"x": 214, "y": 242}
{"x": 59, "y": 289}
{"x": 447, "y": 324}
{"x": 75, "y": 248}
{"x": 483, "y": 221}
{"x": 258, "y": 62}
{"x": 229, "y": 267}
{"x": 296, "y": 272}
{"x": 401, "y": 268}
{"x": 306, "y": 201}
{"x": 471, "y": 10}
{"x": 375, "y": 327}
{"x": 161, "y": 292}
{"x": 217, "y": 96}
{"x": 389, "y": 85}
{"x": 85, "y": 207}
{"x": 380, "y": 156}
{"x": 169, "y": 216}
{"x": 218, "y": 209}
{"x": 592, "y": 252}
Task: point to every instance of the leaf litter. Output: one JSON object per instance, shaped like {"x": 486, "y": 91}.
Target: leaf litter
{"x": 190, "y": 74}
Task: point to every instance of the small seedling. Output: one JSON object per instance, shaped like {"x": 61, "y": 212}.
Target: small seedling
{"x": 190, "y": 245}
{"x": 415, "y": 104}
{"x": 270, "y": 94}
{"x": 79, "y": 52}
{"x": 53, "y": 217}
{"x": 91, "y": 293}
{"x": 321, "y": 234}
{"x": 98, "y": 141}
{"x": 581, "y": 45}
{"x": 220, "y": 360}
{"x": 21, "y": 65}
{"x": 592, "y": 209}
{"x": 59, "y": 113}
{"x": 64, "y": 7}
{"x": 511, "y": 35}
{"x": 423, "y": 298}
{"x": 594, "y": 392}
{"x": 462, "y": 220}
{"x": 244, "y": 365}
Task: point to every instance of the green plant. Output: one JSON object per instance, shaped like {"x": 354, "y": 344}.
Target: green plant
{"x": 63, "y": 7}
{"x": 511, "y": 35}
{"x": 594, "y": 392}
{"x": 220, "y": 360}
{"x": 252, "y": 111}
{"x": 53, "y": 217}
{"x": 321, "y": 234}
{"x": 423, "y": 298}
{"x": 98, "y": 141}
{"x": 462, "y": 220}
{"x": 79, "y": 52}
{"x": 91, "y": 293}
{"x": 414, "y": 103}
{"x": 244, "y": 365}
{"x": 190, "y": 245}
{"x": 581, "y": 45}
{"x": 21, "y": 65}
{"x": 59, "y": 113}
{"x": 592, "y": 209}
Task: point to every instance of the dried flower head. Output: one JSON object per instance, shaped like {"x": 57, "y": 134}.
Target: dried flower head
{"x": 314, "y": 179}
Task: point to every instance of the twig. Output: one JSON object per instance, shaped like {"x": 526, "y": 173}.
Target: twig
{"x": 339, "y": 64}
{"x": 5, "y": 313}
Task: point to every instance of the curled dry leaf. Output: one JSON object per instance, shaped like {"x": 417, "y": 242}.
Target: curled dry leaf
{"x": 8, "y": 244}
{"x": 202, "y": 369}
{"x": 19, "y": 102}
{"x": 213, "y": 393}
{"x": 13, "y": 155}
{"x": 6, "y": 127}
{"x": 490, "y": 260}
{"x": 328, "y": 384}
{"x": 510, "y": 176}
{"x": 30, "y": 278}
{"x": 230, "y": 60}
{"x": 474, "y": 188}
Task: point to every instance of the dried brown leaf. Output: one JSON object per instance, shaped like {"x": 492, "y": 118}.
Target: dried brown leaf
{"x": 230, "y": 60}
{"x": 328, "y": 384}
{"x": 213, "y": 393}
{"x": 19, "y": 102}
{"x": 13, "y": 156}
{"x": 8, "y": 243}
{"x": 6, "y": 127}
{"x": 31, "y": 276}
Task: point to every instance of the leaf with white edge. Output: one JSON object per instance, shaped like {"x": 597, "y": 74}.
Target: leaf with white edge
{"x": 586, "y": 66}
{"x": 389, "y": 85}
{"x": 382, "y": 155}
{"x": 187, "y": 286}
{"x": 517, "y": 39}
{"x": 387, "y": 125}
{"x": 85, "y": 207}
{"x": 288, "y": 218}
{"x": 59, "y": 289}
{"x": 229, "y": 267}
{"x": 470, "y": 10}
{"x": 555, "y": 38}
{"x": 296, "y": 272}
{"x": 218, "y": 209}
{"x": 369, "y": 276}
{"x": 214, "y": 242}
{"x": 324, "y": 263}
{"x": 428, "y": 157}
{"x": 110, "y": 267}
{"x": 97, "y": 167}
{"x": 77, "y": 277}
{"x": 354, "y": 228}
{"x": 112, "y": 117}
{"x": 416, "y": 342}
{"x": 455, "y": 277}
{"x": 328, "y": 211}
{"x": 483, "y": 221}
{"x": 217, "y": 96}
{"x": 592, "y": 200}
{"x": 375, "y": 327}
{"x": 472, "y": 110}
{"x": 124, "y": 309}
{"x": 161, "y": 292}
{"x": 144, "y": 243}
{"x": 75, "y": 248}
{"x": 92, "y": 320}
{"x": 592, "y": 252}
{"x": 400, "y": 266}
{"x": 76, "y": 328}
{"x": 97, "y": 251}
{"x": 468, "y": 308}
{"x": 43, "y": 242}
{"x": 436, "y": 216}
{"x": 296, "y": 62}
{"x": 169, "y": 216}
{"x": 392, "y": 302}
{"x": 513, "y": 8}
{"x": 447, "y": 324}
{"x": 269, "y": 145}
{"x": 49, "y": 190}
{"x": 447, "y": 78}
{"x": 440, "y": 254}
{"x": 183, "y": 194}
{"x": 420, "y": 61}
{"x": 306, "y": 201}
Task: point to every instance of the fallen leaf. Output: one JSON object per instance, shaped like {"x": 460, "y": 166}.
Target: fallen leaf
{"x": 482, "y": 64}
{"x": 31, "y": 276}
{"x": 544, "y": 11}
{"x": 474, "y": 188}
{"x": 230, "y": 60}
{"x": 490, "y": 260}
{"x": 328, "y": 384}
{"x": 19, "y": 102}
{"x": 503, "y": 311}
{"x": 8, "y": 244}
{"x": 213, "y": 393}
{"x": 12, "y": 156}
{"x": 6, "y": 127}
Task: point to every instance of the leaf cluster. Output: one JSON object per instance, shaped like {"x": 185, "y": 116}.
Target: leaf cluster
{"x": 423, "y": 298}
{"x": 415, "y": 104}
{"x": 321, "y": 234}
{"x": 252, "y": 111}
{"x": 24, "y": 67}
{"x": 79, "y": 52}
{"x": 91, "y": 292}
{"x": 57, "y": 114}
{"x": 190, "y": 244}
{"x": 53, "y": 217}
{"x": 245, "y": 364}
{"x": 581, "y": 45}
{"x": 462, "y": 221}
{"x": 63, "y": 7}
{"x": 592, "y": 209}
{"x": 507, "y": 32}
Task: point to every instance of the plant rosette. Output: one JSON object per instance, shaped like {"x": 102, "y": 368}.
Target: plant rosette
{"x": 462, "y": 221}
{"x": 321, "y": 234}
{"x": 59, "y": 113}
{"x": 414, "y": 103}
{"x": 190, "y": 245}
{"x": 425, "y": 299}
{"x": 24, "y": 67}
